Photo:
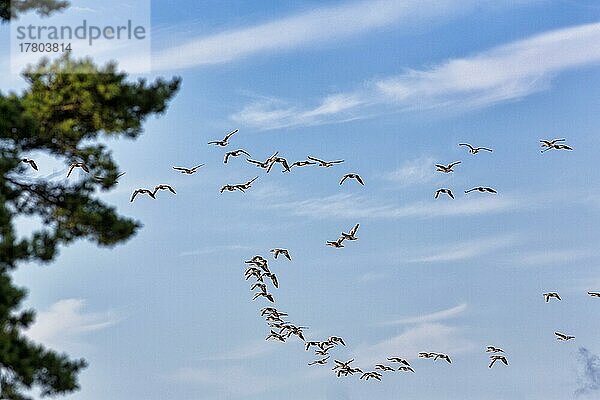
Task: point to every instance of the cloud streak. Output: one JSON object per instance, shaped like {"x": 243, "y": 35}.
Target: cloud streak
{"x": 325, "y": 24}
{"x": 466, "y": 250}
{"x": 430, "y": 318}
{"x": 504, "y": 73}
{"x": 589, "y": 377}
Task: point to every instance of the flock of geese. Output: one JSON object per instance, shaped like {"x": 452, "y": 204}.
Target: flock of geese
{"x": 265, "y": 281}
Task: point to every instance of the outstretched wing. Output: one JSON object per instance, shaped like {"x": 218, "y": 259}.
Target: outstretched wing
{"x": 359, "y": 179}
{"x": 466, "y": 144}
{"x": 343, "y": 179}
{"x": 230, "y": 134}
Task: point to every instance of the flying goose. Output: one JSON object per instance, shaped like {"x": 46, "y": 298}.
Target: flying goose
{"x": 352, "y": 176}
{"x": 594, "y": 294}
{"x": 406, "y": 369}
{"x": 301, "y": 164}
{"x": 225, "y": 140}
{"x": 279, "y": 160}
{"x": 247, "y": 185}
{"x": 277, "y": 251}
{"x": 322, "y": 351}
{"x": 106, "y": 178}
{"x": 188, "y": 171}
{"x": 77, "y": 165}
{"x": 264, "y": 294}
{"x": 445, "y": 191}
{"x": 475, "y": 150}
{"x": 368, "y": 375}
{"x": 335, "y": 340}
{"x": 164, "y": 186}
{"x": 337, "y": 243}
{"x": 495, "y": 358}
{"x": 311, "y": 343}
{"x": 272, "y": 277}
{"x": 263, "y": 288}
{"x": 549, "y": 295}
{"x": 31, "y": 163}
{"x": 234, "y": 153}
{"x": 563, "y": 337}
{"x": 348, "y": 371}
{"x": 298, "y": 331}
{"x": 272, "y": 311}
{"x": 442, "y": 357}
{"x": 399, "y": 361}
{"x": 342, "y": 365}
{"x": 231, "y": 188}
{"x": 446, "y": 168}
{"x": 141, "y": 191}
{"x": 382, "y": 367}
{"x": 352, "y": 234}
{"x": 266, "y": 163}
{"x": 482, "y": 190}
{"x": 492, "y": 349}
{"x": 554, "y": 145}
{"x": 322, "y": 361}
{"x": 275, "y": 336}
{"x": 426, "y": 355}
{"x": 325, "y": 164}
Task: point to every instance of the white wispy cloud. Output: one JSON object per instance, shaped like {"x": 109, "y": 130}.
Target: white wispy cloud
{"x": 466, "y": 250}
{"x": 65, "y": 323}
{"x": 413, "y": 172}
{"x": 345, "y": 206}
{"x": 429, "y": 318}
{"x": 507, "y": 72}
{"x": 422, "y": 337}
{"x": 555, "y": 256}
{"x": 324, "y": 24}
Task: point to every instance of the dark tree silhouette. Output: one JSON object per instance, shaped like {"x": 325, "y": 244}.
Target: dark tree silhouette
{"x": 62, "y": 113}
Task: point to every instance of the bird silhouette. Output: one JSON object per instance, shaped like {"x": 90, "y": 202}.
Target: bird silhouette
{"x": 336, "y": 243}
{"x": 493, "y": 349}
{"x": 324, "y": 164}
{"x": 399, "y": 361}
{"x": 482, "y": 189}
{"x": 371, "y": 375}
{"x": 352, "y": 234}
{"x": 234, "y": 153}
{"x": 563, "y": 337}
{"x": 77, "y": 164}
{"x": 445, "y": 191}
{"x": 279, "y": 160}
{"x": 446, "y": 168}
{"x": 225, "y": 141}
{"x": 495, "y": 358}
{"x": 188, "y": 171}
{"x": 322, "y": 361}
{"x": 594, "y": 294}
{"x": 164, "y": 186}
{"x": 551, "y": 295}
{"x": 352, "y": 176}
{"x": 382, "y": 367}
{"x": 554, "y": 144}
{"x": 141, "y": 191}
{"x": 277, "y": 252}
{"x": 263, "y": 164}
{"x": 406, "y": 369}
{"x": 275, "y": 336}
{"x": 475, "y": 150}
{"x": 31, "y": 163}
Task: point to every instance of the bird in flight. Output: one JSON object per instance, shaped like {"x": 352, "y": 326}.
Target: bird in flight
{"x": 475, "y": 150}
{"x": 276, "y": 252}
{"x": 594, "y": 294}
{"x": 352, "y": 176}
{"x": 399, "y": 361}
{"x": 335, "y": 340}
{"x": 350, "y": 235}
{"x": 275, "y": 336}
{"x": 234, "y": 153}
{"x": 444, "y": 191}
{"x": 424, "y": 354}
{"x": 247, "y": 185}
{"x": 188, "y": 171}
{"x": 164, "y": 186}
{"x": 225, "y": 140}
{"x": 77, "y": 165}
{"x": 495, "y": 358}
{"x": 322, "y": 361}
{"x": 482, "y": 190}
{"x": 382, "y": 367}
{"x": 551, "y": 295}
{"x": 554, "y": 144}
{"x": 442, "y": 356}
{"x": 337, "y": 243}
{"x": 266, "y": 164}
{"x": 141, "y": 191}
{"x": 301, "y": 164}
{"x": 406, "y": 369}
{"x": 368, "y": 375}
{"x": 325, "y": 164}
{"x": 273, "y": 278}
{"x": 563, "y": 337}
{"x": 492, "y": 349}
{"x": 106, "y": 178}
{"x": 231, "y": 188}
{"x": 446, "y": 168}
{"x": 280, "y": 160}
{"x": 264, "y": 294}
{"x": 31, "y": 163}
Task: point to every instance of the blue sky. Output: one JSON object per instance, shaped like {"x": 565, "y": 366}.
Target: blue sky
{"x": 391, "y": 87}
